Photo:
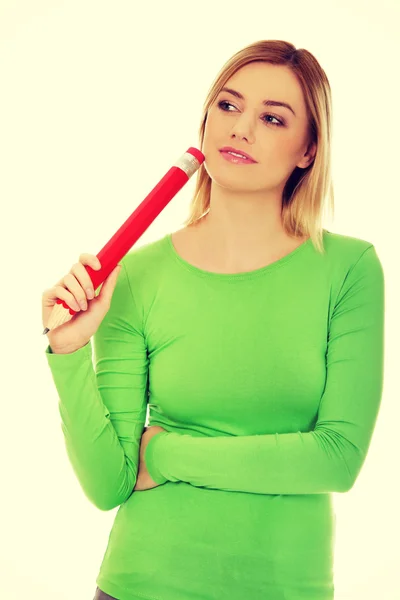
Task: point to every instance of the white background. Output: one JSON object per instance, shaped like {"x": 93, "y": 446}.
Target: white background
{"x": 97, "y": 101}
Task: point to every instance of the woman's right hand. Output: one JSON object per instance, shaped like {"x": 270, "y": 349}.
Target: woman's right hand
{"x": 76, "y": 332}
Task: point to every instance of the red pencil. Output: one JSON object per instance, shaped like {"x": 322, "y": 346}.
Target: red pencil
{"x": 130, "y": 231}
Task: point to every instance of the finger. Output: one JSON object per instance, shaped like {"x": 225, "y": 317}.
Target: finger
{"x": 90, "y": 259}
{"x": 73, "y": 285}
{"x": 59, "y": 291}
{"x": 107, "y": 289}
{"x": 86, "y": 259}
{"x": 84, "y": 279}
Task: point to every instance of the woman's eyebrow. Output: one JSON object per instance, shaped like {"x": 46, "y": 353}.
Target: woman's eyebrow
{"x": 266, "y": 102}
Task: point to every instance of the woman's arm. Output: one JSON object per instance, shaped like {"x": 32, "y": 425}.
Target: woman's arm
{"x": 327, "y": 459}
{"x": 103, "y": 409}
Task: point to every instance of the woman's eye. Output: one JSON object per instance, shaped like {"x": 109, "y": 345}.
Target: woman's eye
{"x": 278, "y": 124}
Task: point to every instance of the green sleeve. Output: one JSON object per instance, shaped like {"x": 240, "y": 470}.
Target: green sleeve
{"x": 103, "y": 408}
{"x": 326, "y": 459}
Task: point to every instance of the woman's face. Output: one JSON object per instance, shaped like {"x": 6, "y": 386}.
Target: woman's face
{"x": 272, "y": 135}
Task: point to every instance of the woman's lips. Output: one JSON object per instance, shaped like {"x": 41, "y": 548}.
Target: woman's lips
{"x": 236, "y": 160}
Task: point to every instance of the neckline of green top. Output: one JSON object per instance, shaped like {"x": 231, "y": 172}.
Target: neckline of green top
{"x": 235, "y": 276}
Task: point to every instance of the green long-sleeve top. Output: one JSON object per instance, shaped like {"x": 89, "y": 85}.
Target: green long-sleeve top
{"x": 268, "y": 384}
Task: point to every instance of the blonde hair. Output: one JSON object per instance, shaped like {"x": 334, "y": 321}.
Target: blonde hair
{"x": 307, "y": 191}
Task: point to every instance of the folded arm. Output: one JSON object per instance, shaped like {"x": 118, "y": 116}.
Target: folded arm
{"x": 327, "y": 459}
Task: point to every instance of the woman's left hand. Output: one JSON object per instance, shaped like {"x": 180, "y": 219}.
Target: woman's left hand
{"x": 143, "y": 479}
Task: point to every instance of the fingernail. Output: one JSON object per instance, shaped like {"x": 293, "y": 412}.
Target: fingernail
{"x": 89, "y": 293}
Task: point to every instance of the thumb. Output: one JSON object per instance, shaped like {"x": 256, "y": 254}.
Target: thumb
{"x": 108, "y": 284}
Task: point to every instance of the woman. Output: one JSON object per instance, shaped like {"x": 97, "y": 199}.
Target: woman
{"x": 256, "y": 338}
